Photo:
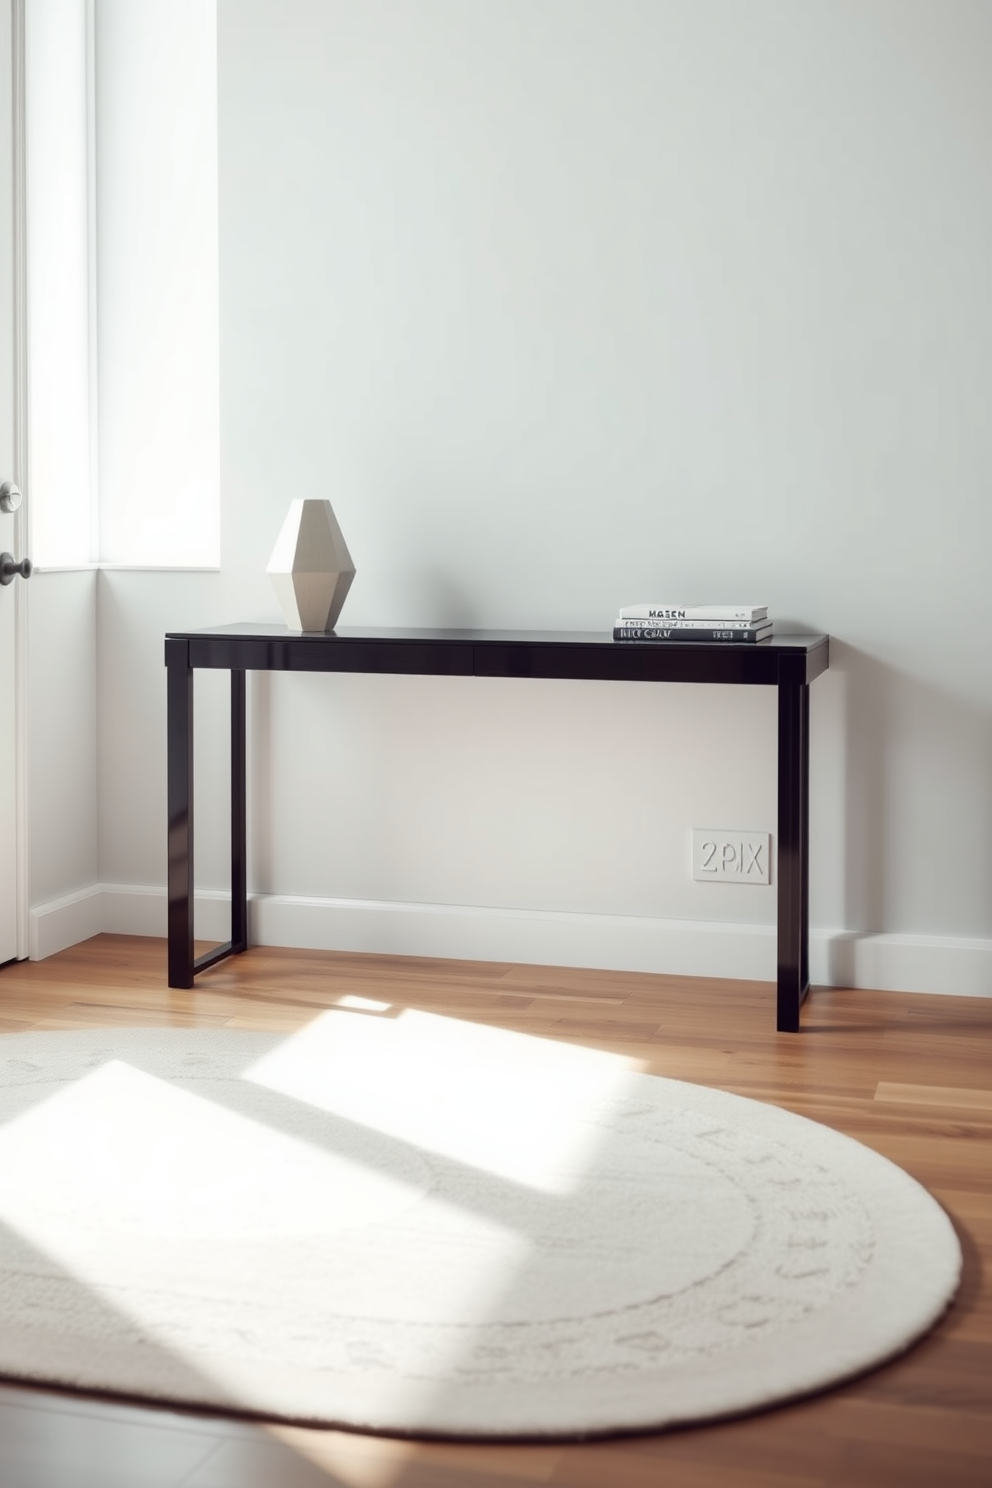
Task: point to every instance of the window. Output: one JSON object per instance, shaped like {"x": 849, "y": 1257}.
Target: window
{"x": 122, "y": 282}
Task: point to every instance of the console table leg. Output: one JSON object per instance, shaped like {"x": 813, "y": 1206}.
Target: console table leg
{"x": 804, "y": 854}
{"x": 180, "y": 804}
{"x": 239, "y": 816}
{"x": 793, "y": 852}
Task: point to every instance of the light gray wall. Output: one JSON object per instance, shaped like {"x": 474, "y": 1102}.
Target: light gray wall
{"x": 571, "y": 303}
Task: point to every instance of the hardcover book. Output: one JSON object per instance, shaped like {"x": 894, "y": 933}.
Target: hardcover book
{"x": 636, "y": 633}
{"x": 740, "y": 625}
{"x": 669, "y": 614}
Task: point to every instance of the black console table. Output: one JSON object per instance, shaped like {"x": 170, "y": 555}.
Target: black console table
{"x": 788, "y": 662}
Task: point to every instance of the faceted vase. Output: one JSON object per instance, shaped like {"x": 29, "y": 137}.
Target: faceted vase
{"x": 310, "y": 567}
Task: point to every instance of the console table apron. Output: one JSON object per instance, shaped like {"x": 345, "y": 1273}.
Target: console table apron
{"x": 788, "y": 662}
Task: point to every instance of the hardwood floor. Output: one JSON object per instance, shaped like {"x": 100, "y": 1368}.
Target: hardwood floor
{"x": 909, "y": 1075}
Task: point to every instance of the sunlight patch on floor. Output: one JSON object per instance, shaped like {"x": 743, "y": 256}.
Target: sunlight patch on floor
{"x": 141, "y": 1159}
{"x": 508, "y": 1103}
{"x": 356, "y": 1004}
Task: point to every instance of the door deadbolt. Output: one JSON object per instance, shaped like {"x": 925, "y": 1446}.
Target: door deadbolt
{"x": 10, "y": 497}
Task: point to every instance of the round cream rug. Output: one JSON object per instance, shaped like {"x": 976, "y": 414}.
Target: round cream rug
{"x": 415, "y": 1224}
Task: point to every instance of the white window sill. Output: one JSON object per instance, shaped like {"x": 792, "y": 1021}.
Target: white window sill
{"x": 47, "y": 568}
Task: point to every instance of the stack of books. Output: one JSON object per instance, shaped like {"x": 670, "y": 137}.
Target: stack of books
{"x": 658, "y": 622}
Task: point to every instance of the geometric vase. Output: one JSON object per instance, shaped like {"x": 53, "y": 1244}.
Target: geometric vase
{"x": 310, "y": 567}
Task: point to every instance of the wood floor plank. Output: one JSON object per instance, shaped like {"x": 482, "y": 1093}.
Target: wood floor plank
{"x": 942, "y": 1096}
{"x": 367, "y": 1459}
{"x": 908, "y": 1075}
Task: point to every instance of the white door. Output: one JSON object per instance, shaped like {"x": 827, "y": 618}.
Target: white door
{"x": 12, "y": 524}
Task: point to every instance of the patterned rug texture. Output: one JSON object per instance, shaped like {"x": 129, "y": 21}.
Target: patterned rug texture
{"x": 420, "y": 1225}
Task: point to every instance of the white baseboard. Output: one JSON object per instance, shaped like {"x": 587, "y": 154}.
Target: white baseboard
{"x": 65, "y": 922}
{"x": 898, "y": 963}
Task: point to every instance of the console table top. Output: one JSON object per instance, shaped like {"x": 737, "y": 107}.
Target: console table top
{"x": 583, "y": 655}
{"x": 259, "y": 630}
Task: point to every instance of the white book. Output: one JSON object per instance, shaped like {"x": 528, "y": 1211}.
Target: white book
{"x": 647, "y": 631}
{"x": 678, "y": 614}
{"x": 628, "y": 622}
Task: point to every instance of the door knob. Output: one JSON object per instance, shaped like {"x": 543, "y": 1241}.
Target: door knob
{"x": 9, "y": 569}
{"x": 10, "y": 497}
